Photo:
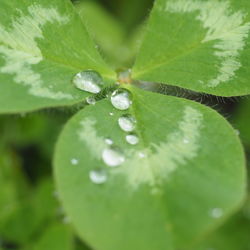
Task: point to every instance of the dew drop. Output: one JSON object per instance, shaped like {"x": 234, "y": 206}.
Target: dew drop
{"x": 111, "y": 113}
{"x": 132, "y": 139}
{"x": 142, "y": 155}
{"x": 98, "y": 176}
{"x": 216, "y": 212}
{"x": 88, "y": 80}
{"x": 121, "y": 99}
{"x": 74, "y": 161}
{"x": 91, "y": 100}
{"x": 66, "y": 220}
{"x": 108, "y": 141}
{"x": 113, "y": 156}
{"x": 237, "y": 132}
{"x": 127, "y": 123}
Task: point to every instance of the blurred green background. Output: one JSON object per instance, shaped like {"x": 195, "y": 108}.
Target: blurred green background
{"x": 31, "y": 216}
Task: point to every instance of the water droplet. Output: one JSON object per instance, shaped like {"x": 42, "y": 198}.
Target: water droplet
{"x": 132, "y": 139}
{"x": 108, "y": 141}
{"x": 142, "y": 155}
{"x": 91, "y": 100}
{"x": 74, "y": 161}
{"x": 88, "y": 80}
{"x": 121, "y": 99}
{"x": 66, "y": 220}
{"x": 216, "y": 212}
{"x": 111, "y": 113}
{"x": 113, "y": 156}
{"x": 237, "y": 132}
{"x": 98, "y": 176}
{"x": 127, "y": 123}
{"x": 55, "y": 194}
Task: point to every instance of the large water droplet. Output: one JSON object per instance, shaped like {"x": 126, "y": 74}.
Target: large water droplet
{"x": 98, "y": 176}
{"x": 127, "y": 123}
{"x": 121, "y": 99}
{"x": 132, "y": 139}
{"x": 88, "y": 80}
{"x": 113, "y": 156}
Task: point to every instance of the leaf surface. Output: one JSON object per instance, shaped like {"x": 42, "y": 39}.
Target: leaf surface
{"x": 202, "y": 45}
{"x": 43, "y": 44}
{"x": 163, "y": 195}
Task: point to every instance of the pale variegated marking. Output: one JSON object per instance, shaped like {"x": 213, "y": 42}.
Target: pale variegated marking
{"x": 88, "y": 135}
{"x": 19, "y": 49}
{"x": 223, "y": 25}
{"x": 160, "y": 159}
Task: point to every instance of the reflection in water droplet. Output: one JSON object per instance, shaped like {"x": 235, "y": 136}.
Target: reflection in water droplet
{"x": 74, "y": 161}
{"x": 216, "y": 212}
{"x": 132, "y": 139}
{"x": 98, "y": 176}
{"x": 108, "y": 141}
{"x": 88, "y": 80}
{"x": 121, "y": 99}
{"x": 113, "y": 156}
{"x": 91, "y": 100}
{"x": 127, "y": 123}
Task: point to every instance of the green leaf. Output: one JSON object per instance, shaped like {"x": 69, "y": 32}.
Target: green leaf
{"x": 12, "y": 185}
{"x": 241, "y": 121}
{"x": 233, "y": 235}
{"x": 56, "y": 237}
{"x": 33, "y": 211}
{"x": 106, "y": 31}
{"x": 163, "y": 195}
{"x": 43, "y": 44}
{"x": 202, "y": 45}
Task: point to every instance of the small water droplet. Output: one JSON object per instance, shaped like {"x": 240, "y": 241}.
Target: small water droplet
{"x": 132, "y": 139}
{"x": 142, "y": 155}
{"x": 113, "y": 156}
{"x": 127, "y": 123}
{"x": 74, "y": 161}
{"x": 91, "y": 100}
{"x": 55, "y": 194}
{"x": 88, "y": 80}
{"x": 185, "y": 140}
{"x": 108, "y": 141}
{"x": 98, "y": 176}
{"x": 121, "y": 99}
{"x": 66, "y": 220}
{"x": 111, "y": 113}
{"x": 237, "y": 132}
{"x": 216, "y": 212}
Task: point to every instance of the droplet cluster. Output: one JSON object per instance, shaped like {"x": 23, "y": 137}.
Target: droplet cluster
{"x": 121, "y": 99}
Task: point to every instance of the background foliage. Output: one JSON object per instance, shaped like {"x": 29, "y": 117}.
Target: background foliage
{"x": 27, "y": 142}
